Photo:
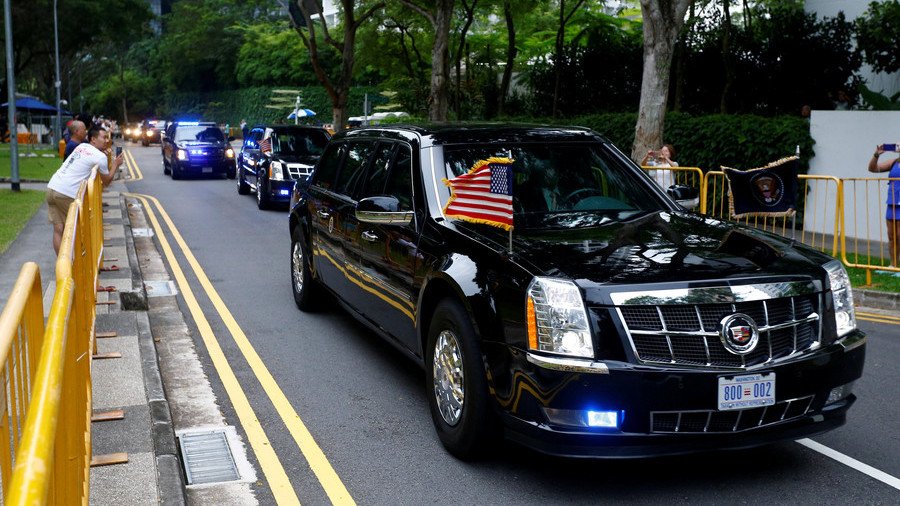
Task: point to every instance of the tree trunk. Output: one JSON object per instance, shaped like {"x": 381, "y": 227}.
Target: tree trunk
{"x": 663, "y": 20}
{"x": 124, "y": 93}
{"x": 440, "y": 62}
{"x": 558, "y": 56}
{"x": 727, "y": 59}
{"x": 681, "y": 52}
{"x": 511, "y": 52}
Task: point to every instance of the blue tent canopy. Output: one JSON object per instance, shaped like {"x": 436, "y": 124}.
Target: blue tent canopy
{"x": 33, "y": 104}
{"x": 301, "y": 113}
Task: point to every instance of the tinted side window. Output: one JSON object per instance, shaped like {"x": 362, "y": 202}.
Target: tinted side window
{"x": 354, "y": 167}
{"x": 327, "y": 168}
{"x": 399, "y": 183}
{"x": 378, "y": 171}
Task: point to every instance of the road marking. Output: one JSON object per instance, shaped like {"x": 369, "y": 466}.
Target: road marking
{"x": 851, "y": 462}
{"x": 318, "y": 462}
{"x": 877, "y": 318}
{"x": 275, "y": 474}
{"x": 133, "y": 170}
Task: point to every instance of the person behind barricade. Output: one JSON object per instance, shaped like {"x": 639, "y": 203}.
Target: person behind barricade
{"x": 63, "y": 186}
{"x": 77, "y": 133}
{"x": 661, "y": 158}
{"x": 892, "y": 216}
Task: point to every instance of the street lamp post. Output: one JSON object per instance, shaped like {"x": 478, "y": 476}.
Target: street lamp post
{"x": 11, "y": 88}
{"x": 58, "y": 133}
{"x": 297, "y": 111}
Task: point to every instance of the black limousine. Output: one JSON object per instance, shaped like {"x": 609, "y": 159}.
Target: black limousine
{"x": 610, "y": 321}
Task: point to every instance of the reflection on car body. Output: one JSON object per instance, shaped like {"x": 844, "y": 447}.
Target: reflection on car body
{"x": 610, "y": 322}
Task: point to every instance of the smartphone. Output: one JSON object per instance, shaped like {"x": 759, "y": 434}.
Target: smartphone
{"x": 118, "y": 150}
{"x": 889, "y": 147}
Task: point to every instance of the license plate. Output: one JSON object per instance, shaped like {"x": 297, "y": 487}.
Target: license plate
{"x": 747, "y": 391}
{"x": 206, "y": 170}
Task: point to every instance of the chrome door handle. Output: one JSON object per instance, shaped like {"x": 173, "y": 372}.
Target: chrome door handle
{"x": 369, "y": 236}
{"x": 322, "y": 214}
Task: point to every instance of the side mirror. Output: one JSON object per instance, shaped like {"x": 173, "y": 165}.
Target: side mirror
{"x": 383, "y": 210}
{"x": 686, "y": 196}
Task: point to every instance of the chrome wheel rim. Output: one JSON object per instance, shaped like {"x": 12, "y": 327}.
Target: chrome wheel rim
{"x": 297, "y": 267}
{"x": 448, "y": 376}
{"x": 258, "y": 191}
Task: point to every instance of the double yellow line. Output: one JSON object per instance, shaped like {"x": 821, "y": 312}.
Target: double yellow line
{"x": 877, "y": 318}
{"x": 134, "y": 172}
{"x": 271, "y": 466}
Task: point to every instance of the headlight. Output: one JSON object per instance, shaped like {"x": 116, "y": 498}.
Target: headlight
{"x": 181, "y": 154}
{"x": 275, "y": 172}
{"x": 229, "y": 153}
{"x": 149, "y": 133}
{"x": 844, "y": 315}
{"x": 557, "y": 318}
{"x": 251, "y": 162}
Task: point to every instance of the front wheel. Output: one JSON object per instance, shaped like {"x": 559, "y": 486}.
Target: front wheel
{"x": 262, "y": 196}
{"x": 176, "y": 172}
{"x": 242, "y": 186}
{"x": 307, "y": 291}
{"x": 456, "y": 384}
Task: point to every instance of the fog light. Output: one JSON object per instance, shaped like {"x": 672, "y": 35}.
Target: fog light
{"x": 839, "y": 393}
{"x": 607, "y": 419}
{"x": 284, "y": 192}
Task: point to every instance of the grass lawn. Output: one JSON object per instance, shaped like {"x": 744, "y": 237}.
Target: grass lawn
{"x": 38, "y": 167}
{"x": 16, "y": 208}
{"x": 880, "y": 282}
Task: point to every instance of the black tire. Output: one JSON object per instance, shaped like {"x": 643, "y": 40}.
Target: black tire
{"x": 176, "y": 172}
{"x": 166, "y": 169}
{"x": 231, "y": 173}
{"x": 262, "y": 196}
{"x": 145, "y": 143}
{"x": 243, "y": 187}
{"x": 469, "y": 431}
{"x": 307, "y": 292}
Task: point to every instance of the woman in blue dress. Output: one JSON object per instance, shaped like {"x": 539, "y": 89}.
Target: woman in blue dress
{"x": 892, "y": 216}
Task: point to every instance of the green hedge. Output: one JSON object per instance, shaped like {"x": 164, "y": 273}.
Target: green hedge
{"x": 229, "y": 106}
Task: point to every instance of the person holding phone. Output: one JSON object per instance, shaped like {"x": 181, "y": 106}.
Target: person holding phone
{"x": 661, "y": 158}
{"x": 63, "y": 186}
{"x": 892, "y": 216}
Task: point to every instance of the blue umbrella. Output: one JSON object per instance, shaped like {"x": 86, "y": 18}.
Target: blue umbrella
{"x": 301, "y": 113}
{"x": 33, "y": 104}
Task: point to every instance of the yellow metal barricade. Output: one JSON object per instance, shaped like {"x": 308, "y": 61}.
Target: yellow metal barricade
{"x": 820, "y": 210}
{"x": 866, "y": 241}
{"x": 667, "y": 176}
{"x": 52, "y": 461}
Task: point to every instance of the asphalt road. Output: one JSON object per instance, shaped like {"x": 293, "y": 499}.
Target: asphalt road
{"x": 365, "y": 404}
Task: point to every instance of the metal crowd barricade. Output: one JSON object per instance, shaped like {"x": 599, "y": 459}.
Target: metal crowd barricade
{"x": 865, "y": 239}
{"x": 667, "y": 176}
{"x": 53, "y": 445}
{"x": 820, "y": 210}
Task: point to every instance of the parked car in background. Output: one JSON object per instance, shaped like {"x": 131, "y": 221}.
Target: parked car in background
{"x": 272, "y": 158}
{"x": 609, "y": 321}
{"x": 197, "y": 148}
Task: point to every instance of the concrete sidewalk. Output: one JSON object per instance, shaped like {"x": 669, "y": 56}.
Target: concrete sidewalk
{"x": 152, "y": 473}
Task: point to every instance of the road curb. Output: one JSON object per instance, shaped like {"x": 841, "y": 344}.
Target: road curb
{"x": 876, "y": 299}
{"x": 169, "y": 479}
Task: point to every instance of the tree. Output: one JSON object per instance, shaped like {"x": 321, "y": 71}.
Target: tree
{"x": 877, "y": 35}
{"x": 511, "y": 52}
{"x": 338, "y": 87}
{"x": 440, "y": 17}
{"x": 663, "y": 20}
{"x": 564, "y": 19}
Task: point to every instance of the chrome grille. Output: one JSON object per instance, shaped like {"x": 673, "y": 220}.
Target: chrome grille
{"x": 707, "y": 422}
{"x": 688, "y": 334}
{"x": 296, "y": 171}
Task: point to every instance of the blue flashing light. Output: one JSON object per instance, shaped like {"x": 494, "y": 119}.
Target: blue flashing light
{"x": 189, "y": 123}
{"x": 284, "y": 192}
{"x": 605, "y": 419}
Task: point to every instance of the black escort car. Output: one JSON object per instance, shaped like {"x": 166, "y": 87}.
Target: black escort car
{"x": 609, "y": 322}
{"x": 192, "y": 148}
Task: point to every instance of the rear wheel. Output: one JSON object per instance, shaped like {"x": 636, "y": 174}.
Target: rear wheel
{"x": 243, "y": 187}
{"x": 307, "y": 291}
{"x": 456, "y": 383}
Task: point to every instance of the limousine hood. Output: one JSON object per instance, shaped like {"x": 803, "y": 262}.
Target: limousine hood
{"x": 652, "y": 248}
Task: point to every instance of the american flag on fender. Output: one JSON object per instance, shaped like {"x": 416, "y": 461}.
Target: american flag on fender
{"x": 265, "y": 145}
{"x": 484, "y": 194}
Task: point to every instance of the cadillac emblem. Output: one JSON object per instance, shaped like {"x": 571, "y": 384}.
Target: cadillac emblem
{"x": 739, "y": 334}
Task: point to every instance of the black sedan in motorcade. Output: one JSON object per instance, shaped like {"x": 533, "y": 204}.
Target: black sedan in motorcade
{"x": 609, "y": 321}
{"x": 197, "y": 149}
{"x": 151, "y": 131}
{"x": 273, "y": 157}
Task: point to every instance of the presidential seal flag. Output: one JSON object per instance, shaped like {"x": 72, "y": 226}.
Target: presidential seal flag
{"x": 484, "y": 194}
{"x": 769, "y": 191}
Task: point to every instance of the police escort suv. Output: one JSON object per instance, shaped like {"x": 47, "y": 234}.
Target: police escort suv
{"x": 192, "y": 148}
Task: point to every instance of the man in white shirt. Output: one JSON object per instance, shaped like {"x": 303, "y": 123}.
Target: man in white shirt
{"x": 63, "y": 186}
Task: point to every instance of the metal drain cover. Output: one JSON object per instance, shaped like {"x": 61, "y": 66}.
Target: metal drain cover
{"x": 160, "y": 288}
{"x": 207, "y": 457}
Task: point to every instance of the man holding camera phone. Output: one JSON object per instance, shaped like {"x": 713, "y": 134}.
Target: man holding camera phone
{"x": 63, "y": 186}
{"x": 892, "y": 216}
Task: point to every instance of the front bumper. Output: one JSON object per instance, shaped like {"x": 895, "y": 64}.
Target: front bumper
{"x": 666, "y": 410}
{"x": 204, "y": 167}
{"x": 279, "y": 190}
